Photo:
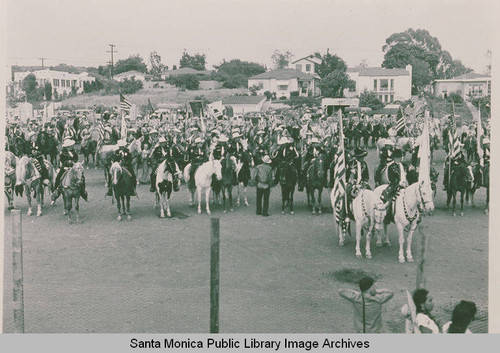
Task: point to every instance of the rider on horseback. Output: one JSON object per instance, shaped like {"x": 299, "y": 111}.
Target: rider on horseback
{"x": 457, "y": 161}
{"x": 396, "y": 175}
{"x": 220, "y": 149}
{"x": 313, "y": 150}
{"x": 385, "y": 155}
{"x": 124, "y": 157}
{"x": 163, "y": 150}
{"x": 34, "y": 151}
{"x": 286, "y": 153}
{"x": 197, "y": 155}
{"x": 262, "y": 147}
{"x": 67, "y": 158}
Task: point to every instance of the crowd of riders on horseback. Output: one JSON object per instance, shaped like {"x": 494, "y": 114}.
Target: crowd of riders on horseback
{"x": 294, "y": 139}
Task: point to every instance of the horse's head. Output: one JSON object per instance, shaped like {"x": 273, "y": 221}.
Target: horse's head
{"x": 77, "y": 171}
{"x": 424, "y": 194}
{"x": 217, "y": 169}
{"x": 115, "y": 170}
{"x": 320, "y": 169}
{"x": 469, "y": 176}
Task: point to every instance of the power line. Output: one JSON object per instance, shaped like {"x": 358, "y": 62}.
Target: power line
{"x": 112, "y": 52}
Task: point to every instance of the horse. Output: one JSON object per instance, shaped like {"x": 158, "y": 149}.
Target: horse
{"x": 136, "y": 153}
{"x": 244, "y": 176}
{"x": 315, "y": 178}
{"x": 10, "y": 177}
{"x": 164, "y": 187}
{"x": 288, "y": 176}
{"x": 408, "y": 207}
{"x": 470, "y": 147}
{"x": 369, "y": 212}
{"x": 121, "y": 182}
{"x": 461, "y": 178}
{"x": 28, "y": 179}
{"x": 70, "y": 187}
{"x": 89, "y": 149}
{"x": 203, "y": 180}
{"x": 413, "y": 172}
{"x": 104, "y": 155}
{"x": 229, "y": 177}
{"x": 49, "y": 146}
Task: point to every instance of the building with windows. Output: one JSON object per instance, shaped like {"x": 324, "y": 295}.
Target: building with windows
{"x": 283, "y": 82}
{"x": 245, "y": 104}
{"x": 62, "y": 82}
{"x": 390, "y": 84}
{"x": 307, "y": 65}
{"x": 468, "y": 85}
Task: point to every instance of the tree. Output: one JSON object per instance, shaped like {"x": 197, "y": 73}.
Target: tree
{"x": 423, "y": 51}
{"x": 281, "y": 60}
{"x": 134, "y": 62}
{"x": 239, "y": 67}
{"x": 48, "y": 91}
{"x": 334, "y": 83}
{"x": 156, "y": 66}
{"x": 29, "y": 86}
{"x": 191, "y": 82}
{"x": 196, "y": 61}
{"x": 370, "y": 100}
{"x": 253, "y": 90}
{"x": 329, "y": 63}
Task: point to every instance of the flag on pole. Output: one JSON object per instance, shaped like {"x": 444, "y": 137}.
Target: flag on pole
{"x": 400, "y": 122}
{"x": 124, "y": 103}
{"x": 123, "y": 130}
{"x": 479, "y": 137}
{"x": 424, "y": 153}
{"x": 339, "y": 185}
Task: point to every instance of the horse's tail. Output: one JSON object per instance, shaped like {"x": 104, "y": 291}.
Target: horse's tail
{"x": 187, "y": 170}
{"x": 21, "y": 170}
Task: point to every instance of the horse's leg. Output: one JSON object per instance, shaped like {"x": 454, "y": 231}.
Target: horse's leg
{"x": 230, "y": 192}
{"x": 401, "y": 233}
{"x": 129, "y": 217}
{"x": 207, "y": 199}
{"x": 487, "y": 209}
{"x": 118, "y": 206}
{"x": 191, "y": 197}
{"x": 27, "y": 191}
{"x": 224, "y": 198}
{"x": 39, "y": 199}
{"x": 245, "y": 198}
{"x": 320, "y": 191}
{"x": 409, "y": 240}
{"x": 368, "y": 240}
{"x": 454, "y": 203}
{"x": 70, "y": 207}
{"x": 290, "y": 198}
{"x": 284, "y": 197}
{"x": 359, "y": 226}
{"x": 238, "y": 198}
{"x": 169, "y": 214}
{"x": 472, "y": 192}
{"x": 77, "y": 208}
{"x": 313, "y": 202}
{"x": 161, "y": 202}
{"x": 198, "y": 189}
{"x": 461, "y": 203}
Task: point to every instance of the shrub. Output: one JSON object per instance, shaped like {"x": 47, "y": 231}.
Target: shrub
{"x": 294, "y": 94}
{"x": 455, "y": 97}
{"x": 268, "y": 95}
{"x": 191, "y": 82}
{"x": 370, "y": 100}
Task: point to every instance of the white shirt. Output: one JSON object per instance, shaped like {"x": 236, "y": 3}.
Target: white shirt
{"x": 425, "y": 321}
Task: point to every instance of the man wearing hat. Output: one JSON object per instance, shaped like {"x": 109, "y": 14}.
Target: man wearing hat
{"x": 124, "y": 157}
{"x": 34, "y": 151}
{"x": 385, "y": 155}
{"x": 85, "y": 134}
{"x": 235, "y": 147}
{"x": 358, "y": 172}
{"x": 197, "y": 155}
{"x": 163, "y": 150}
{"x": 396, "y": 174}
{"x": 486, "y": 151}
{"x": 261, "y": 147}
{"x": 68, "y": 158}
{"x": 264, "y": 180}
{"x": 221, "y": 148}
{"x": 457, "y": 160}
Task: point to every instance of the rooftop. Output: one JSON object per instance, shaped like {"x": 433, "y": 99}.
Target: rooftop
{"x": 379, "y": 71}
{"x": 282, "y": 74}
{"x": 243, "y": 99}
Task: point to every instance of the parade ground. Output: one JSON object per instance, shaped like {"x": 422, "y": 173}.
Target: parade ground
{"x": 278, "y": 274}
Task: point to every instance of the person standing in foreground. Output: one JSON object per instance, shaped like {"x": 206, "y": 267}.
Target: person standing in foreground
{"x": 461, "y": 317}
{"x": 424, "y": 322}
{"x": 264, "y": 181}
{"x": 367, "y": 305}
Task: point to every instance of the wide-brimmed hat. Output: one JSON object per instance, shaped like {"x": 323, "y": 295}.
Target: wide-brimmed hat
{"x": 360, "y": 152}
{"x": 315, "y": 140}
{"x": 121, "y": 143}
{"x": 283, "y": 140}
{"x": 389, "y": 142}
{"x": 223, "y": 138}
{"x": 31, "y": 134}
{"x": 68, "y": 143}
{"x": 153, "y": 131}
{"x": 260, "y": 132}
{"x": 198, "y": 140}
{"x": 486, "y": 141}
{"x": 392, "y": 132}
{"x": 266, "y": 159}
{"x": 162, "y": 139}
{"x": 236, "y": 135}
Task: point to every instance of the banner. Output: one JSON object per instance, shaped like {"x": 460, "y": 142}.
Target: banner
{"x": 196, "y": 108}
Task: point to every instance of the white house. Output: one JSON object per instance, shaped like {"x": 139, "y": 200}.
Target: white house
{"x": 307, "y": 65}
{"x": 389, "y": 84}
{"x": 285, "y": 81}
{"x": 467, "y": 85}
{"x": 61, "y": 81}
{"x": 137, "y": 75}
{"x": 245, "y": 104}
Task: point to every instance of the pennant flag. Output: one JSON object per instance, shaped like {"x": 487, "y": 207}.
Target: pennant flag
{"x": 424, "y": 153}
{"x": 339, "y": 184}
{"x": 196, "y": 108}
{"x": 124, "y": 103}
{"x": 123, "y": 130}
{"x": 216, "y": 108}
{"x": 400, "y": 123}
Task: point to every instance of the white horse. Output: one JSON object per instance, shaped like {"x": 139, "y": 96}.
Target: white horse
{"x": 164, "y": 187}
{"x": 203, "y": 180}
{"x": 409, "y": 205}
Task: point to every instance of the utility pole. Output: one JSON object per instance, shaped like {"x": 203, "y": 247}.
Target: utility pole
{"x": 112, "y": 51}
{"x": 42, "y": 62}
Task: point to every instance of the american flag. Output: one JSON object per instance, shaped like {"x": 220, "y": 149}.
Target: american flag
{"x": 400, "y": 123}
{"x": 339, "y": 184}
{"x": 124, "y": 103}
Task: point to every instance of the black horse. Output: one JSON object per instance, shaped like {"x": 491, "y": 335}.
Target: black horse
{"x": 287, "y": 176}
{"x": 48, "y": 145}
{"x": 87, "y": 150}
{"x": 461, "y": 178}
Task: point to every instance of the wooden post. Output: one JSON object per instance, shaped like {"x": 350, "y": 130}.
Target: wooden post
{"x": 214, "y": 275}
{"x": 422, "y": 257}
{"x": 17, "y": 270}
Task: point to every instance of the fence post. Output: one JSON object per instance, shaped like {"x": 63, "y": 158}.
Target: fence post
{"x": 214, "y": 275}
{"x": 17, "y": 270}
{"x": 422, "y": 257}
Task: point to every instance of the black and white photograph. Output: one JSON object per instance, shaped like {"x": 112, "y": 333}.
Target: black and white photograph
{"x": 274, "y": 167}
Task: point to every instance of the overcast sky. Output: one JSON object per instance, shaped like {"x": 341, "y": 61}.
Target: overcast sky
{"x": 78, "y": 32}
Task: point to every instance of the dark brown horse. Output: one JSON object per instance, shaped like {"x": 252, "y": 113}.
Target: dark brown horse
{"x": 70, "y": 188}
{"x": 315, "y": 179}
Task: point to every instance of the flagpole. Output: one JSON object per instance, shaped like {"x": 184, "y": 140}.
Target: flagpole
{"x": 343, "y": 157}
{"x": 452, "y": 142}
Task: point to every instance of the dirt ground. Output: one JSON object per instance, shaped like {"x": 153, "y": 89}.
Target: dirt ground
{"x": 278, "y": 274}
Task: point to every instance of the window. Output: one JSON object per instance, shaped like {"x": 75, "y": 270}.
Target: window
{"x": 73, "y": 83}
{"x": 261, "y": 85}
{"x": 392, "y": 85}
{"x": 308, "y": 67}
{"x": 380, "y": 97}
{"x": 282, "y": 87}
{"x": 384, "y": 85}
{"x": 298, "y": 67}
{"x": 63, "y": 83}
{"x": 67, "y": 83}
{"x": 375, "y": 84}
{"x": 392, "y": 97}
{"x": 353, "y": 88}
{"x": 386, "y": 98}
{"x": 56, "y": 82}
{"x": 489, "y": 88}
